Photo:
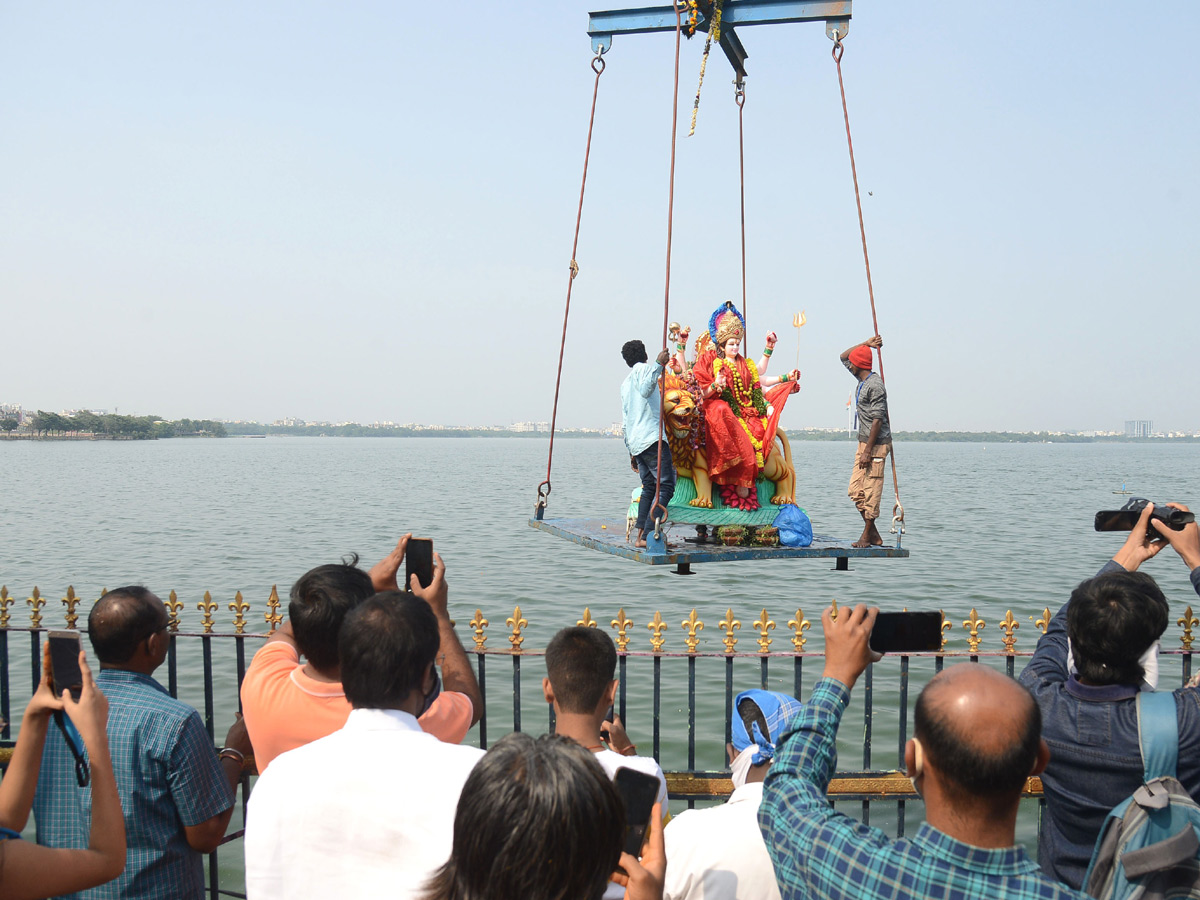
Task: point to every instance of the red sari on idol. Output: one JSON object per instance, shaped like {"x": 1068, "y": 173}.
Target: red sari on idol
{"x": 737, "y": 442}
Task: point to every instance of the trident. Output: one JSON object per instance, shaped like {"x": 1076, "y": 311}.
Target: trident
{"x": 798, "y": 321}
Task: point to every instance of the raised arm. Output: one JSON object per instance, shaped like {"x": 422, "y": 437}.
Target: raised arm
{"x": 30, "y": 870}
{"x": 17, "y": 788}
{"x": 765, "y": 359}
{"x": 875, "y": 342}
{"x": 457, "y": 674}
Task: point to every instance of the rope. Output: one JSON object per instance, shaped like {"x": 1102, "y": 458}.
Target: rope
{"x": 740, "y": 98}
{"x": 662, "y": 412}
{"x": 543, "y": 496}
{"x": 838, "y": 51}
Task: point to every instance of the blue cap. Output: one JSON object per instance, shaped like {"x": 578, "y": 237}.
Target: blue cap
{"x": 778, "y": 709}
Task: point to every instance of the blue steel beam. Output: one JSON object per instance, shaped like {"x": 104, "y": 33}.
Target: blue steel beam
{"x": 835, "y": 14}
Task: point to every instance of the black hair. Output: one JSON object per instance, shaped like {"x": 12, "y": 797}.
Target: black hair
{"x": 320, "y": 601}
{"x": 1112, "y": 620}
{"x": 387, "y": 644}
{"x": 537, "y": 819}
{"x": 580, "y": 663}
{"x": 751, "y": 715}
{"x": 121, "y": 620}
{"x": 971, "y": 771}
{"x": 634, "y": 352}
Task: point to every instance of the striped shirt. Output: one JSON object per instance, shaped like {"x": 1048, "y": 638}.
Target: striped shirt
{"x": 821, "y": 854}
{"x": 168, "y": 777}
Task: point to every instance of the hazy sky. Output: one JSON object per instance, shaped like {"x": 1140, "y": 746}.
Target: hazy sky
{"x": 364, "y": 210}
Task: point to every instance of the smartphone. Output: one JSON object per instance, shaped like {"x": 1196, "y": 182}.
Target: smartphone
{"x": 608, "y": 716}
{"x": 906, "y": 632}
{"x": 638, "y": 792}
{"x": 418, "y": 560}
{"x": 65, "y": 674}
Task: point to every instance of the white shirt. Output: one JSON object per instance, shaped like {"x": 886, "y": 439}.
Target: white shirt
{"x": 719, "y": 852}
{"x": 610, "y": 761}
{"x": 366, "y": 812}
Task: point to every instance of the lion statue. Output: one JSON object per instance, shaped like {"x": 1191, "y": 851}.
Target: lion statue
{"x": 685, "y": 434}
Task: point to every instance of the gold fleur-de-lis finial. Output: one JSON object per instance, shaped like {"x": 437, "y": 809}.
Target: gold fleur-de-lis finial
{"x": 70, "y": 602}
{"x": 974, "y": 625}
{"x": 516, "y": 622}
{"x": 173, "y": 605}
{"x": 239, "y": 607}
{"x": 763, "y": 626}
{"x": 1044, "y": 622}
{"x": 36, "y": 602}
{"x": 799, "y": 625}
{"x": 272, "y": 616}
{"x": 5, "y": 602}
{"x": 622, "y": 623}
{"x": 477, "y": 625}
{"x": 656, "y": 629}
{"x": 1008, "y": 626}
{"x": 692, "y": 626}
{"x": 945, "y": 628}
{"x": 729, "y": 625}
{"x": 208, "y": 607}
{"x": 587, "y": 621}
{"x": 833, "y": 609}
{"x": 1188, "y": 622}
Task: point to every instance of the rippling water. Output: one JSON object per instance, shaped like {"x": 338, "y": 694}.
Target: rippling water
{"x": 991, "y": 527}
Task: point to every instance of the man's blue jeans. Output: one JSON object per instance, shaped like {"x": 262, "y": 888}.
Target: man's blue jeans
{"x": 647, "y": 463}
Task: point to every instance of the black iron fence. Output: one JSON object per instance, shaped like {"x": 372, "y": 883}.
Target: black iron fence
{"x": 662, "y": 688}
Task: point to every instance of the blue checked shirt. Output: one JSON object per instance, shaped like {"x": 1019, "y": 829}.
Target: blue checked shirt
{"x": 640, "y": 406}
{"x": 168, "y": 777}
{"x": 820, "y": 854}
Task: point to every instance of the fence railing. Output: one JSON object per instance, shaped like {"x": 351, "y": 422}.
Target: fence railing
{"x": 672, "y": 667}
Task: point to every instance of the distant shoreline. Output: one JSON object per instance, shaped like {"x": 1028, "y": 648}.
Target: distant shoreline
{"x": 965, "y": 437}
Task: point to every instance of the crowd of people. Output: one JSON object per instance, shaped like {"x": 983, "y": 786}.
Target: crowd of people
{"x": 367, "y": 791}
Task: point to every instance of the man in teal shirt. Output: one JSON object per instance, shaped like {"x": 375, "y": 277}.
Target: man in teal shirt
{"x": 641, "y": 407}
{"x": 976, "y": 740}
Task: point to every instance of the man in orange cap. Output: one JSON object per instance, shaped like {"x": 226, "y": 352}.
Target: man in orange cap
{"x": 874, "y": 438}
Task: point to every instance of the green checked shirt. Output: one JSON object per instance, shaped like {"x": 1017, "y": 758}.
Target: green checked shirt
{"x": 821, "y": 854}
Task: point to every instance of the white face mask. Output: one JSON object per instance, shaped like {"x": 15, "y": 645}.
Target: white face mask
{"x": 741, "y": 765}
{"x": 1148, "y": 661}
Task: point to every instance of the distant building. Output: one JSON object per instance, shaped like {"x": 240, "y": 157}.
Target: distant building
{"x": 1139, "y": 427}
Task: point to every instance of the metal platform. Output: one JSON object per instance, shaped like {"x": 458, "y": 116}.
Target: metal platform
{"x": 608, "y": 536}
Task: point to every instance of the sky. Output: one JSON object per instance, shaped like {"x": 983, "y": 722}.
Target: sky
{"x": 364, "y": 211}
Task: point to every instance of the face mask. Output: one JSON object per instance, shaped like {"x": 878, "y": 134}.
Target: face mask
{"x": 433, "y": 693}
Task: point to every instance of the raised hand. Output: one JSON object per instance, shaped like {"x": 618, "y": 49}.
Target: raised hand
{"x": 1185, "y": 542}
{"x": 847, "y": 648}
{"x": 383, "y": 573}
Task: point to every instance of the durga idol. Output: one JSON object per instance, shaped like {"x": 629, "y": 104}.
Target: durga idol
{"x": 739, "y": 419}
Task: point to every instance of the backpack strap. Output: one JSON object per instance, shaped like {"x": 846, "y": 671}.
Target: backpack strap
{"x": 1158, "y": 733}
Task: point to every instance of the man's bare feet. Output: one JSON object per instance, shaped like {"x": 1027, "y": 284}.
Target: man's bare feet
{"x": 640, "y": 543}
{"x": 870, "y": 536}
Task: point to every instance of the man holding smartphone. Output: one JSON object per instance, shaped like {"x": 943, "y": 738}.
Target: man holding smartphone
{"x": 288, "y": 703}
{"x": 976, "y": 741}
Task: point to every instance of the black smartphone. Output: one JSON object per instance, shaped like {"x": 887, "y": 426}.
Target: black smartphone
{"x": 907, "y": 632}
{"x": 65, "y": 674}
{"x": 608, "y": 716}
{"x": 638, "y": 792}
{"x": 418, "y": 560}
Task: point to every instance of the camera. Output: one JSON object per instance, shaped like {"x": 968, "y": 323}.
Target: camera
{"x": 1126, "y": 517}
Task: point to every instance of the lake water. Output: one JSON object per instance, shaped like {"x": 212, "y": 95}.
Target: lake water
{"x": 990, "y": 526}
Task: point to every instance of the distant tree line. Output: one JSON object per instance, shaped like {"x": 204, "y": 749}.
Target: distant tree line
{"x": 117, "y": 426}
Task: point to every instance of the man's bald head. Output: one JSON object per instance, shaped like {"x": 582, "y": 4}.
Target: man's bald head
{"x": 981, "y": 730}
{"x": 121, "y": 620}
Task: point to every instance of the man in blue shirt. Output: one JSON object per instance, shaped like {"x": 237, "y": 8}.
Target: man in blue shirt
{"x": 976, "y": 740}
{"x": 641, "y": 408}
{"x": 1098, "y": 652}
{"x": 176, "y": 794}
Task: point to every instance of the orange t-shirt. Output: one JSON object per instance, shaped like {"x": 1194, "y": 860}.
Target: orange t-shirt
{"x": 285, "y": 708}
